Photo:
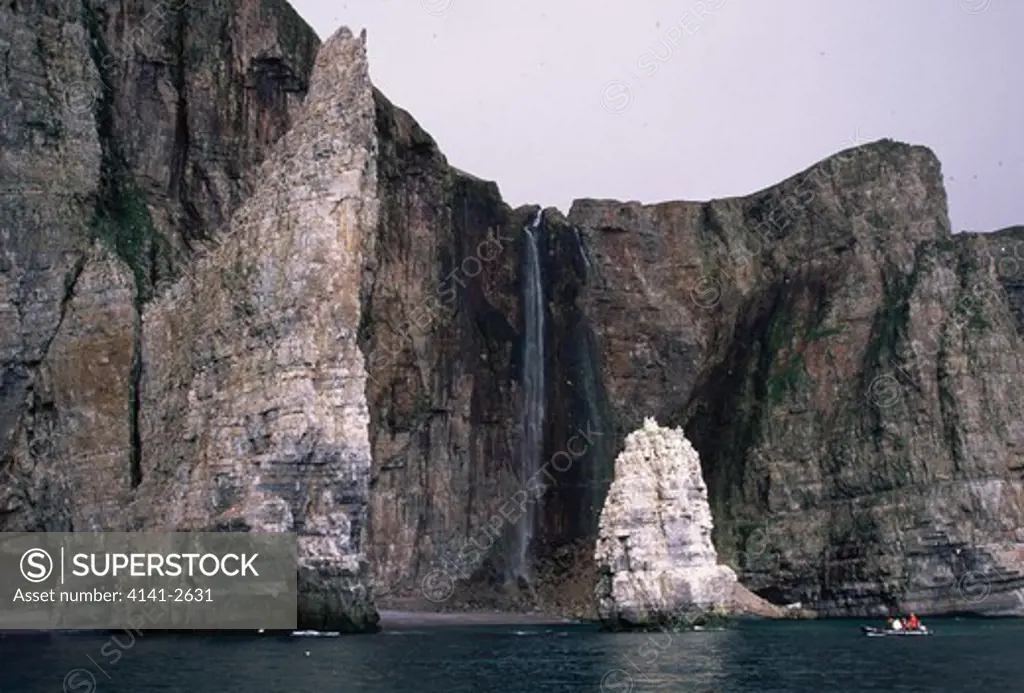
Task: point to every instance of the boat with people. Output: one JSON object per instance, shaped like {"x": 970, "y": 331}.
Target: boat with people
{"x": 872, "y": 632}
{"x": 898, "y": 627}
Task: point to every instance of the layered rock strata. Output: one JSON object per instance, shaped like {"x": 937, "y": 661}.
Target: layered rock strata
{"x": 847, "y": 368}
{"x": 654, "y": 556}
{"x": 253, "y": 401}
{"x": 235, "y": 398}
{"x": 777, "y": 329}
{"x": 129, "y": 133}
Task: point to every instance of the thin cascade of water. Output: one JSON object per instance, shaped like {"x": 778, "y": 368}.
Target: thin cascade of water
{"x": 533, "y": 392}
{"x": 587, "y": 269}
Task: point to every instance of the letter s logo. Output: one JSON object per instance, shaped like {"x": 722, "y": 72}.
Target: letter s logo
{"x": 79, "y": 680}
{"x": 36, "y": 565}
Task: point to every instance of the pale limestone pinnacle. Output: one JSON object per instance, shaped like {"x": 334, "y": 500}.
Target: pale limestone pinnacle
{"x": 655, "y": 533}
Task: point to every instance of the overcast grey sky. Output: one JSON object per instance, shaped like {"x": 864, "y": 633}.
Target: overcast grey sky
{"x": 560, "y": 99}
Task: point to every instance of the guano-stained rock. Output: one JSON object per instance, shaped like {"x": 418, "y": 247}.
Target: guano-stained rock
{"x": 253, "y": 400}
{"x": 130, "y": 124}
{"x": 654, "y": 553}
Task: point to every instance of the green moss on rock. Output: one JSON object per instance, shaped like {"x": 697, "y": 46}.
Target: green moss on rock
{"x": 122, "y": 222}
{"x": 121, "y": 219}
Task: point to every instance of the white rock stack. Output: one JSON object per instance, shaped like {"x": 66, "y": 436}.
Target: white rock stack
{"x": 654, "y": 555}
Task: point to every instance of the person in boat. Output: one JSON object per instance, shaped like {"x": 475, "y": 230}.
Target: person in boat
{"x": 913, "y": 623}
{"x": 897, "y": 624}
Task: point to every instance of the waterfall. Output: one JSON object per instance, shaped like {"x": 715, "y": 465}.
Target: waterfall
{"x": 533, "y": 393}
{"x": 587, "y": 269}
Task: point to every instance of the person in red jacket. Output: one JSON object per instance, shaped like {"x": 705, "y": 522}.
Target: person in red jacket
{"x": 913, "y": 623}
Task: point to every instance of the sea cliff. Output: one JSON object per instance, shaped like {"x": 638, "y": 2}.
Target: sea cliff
{"x": 222, "y": 282}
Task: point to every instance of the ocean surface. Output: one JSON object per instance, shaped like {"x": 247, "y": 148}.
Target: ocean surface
{"x": 790, "y": 657}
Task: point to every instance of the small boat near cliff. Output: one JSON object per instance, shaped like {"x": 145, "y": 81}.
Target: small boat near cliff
{"x": 873, "y": 632}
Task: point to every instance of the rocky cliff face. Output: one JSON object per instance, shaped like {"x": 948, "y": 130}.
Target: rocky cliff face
{"x": 253, "y": 395}
{"x": 128, "y": 135}
{"x": 778, "y": 330}
{"x": 848, "y": 370}
{"x": 444, "y": 337}
{"x": 234, "y": 397}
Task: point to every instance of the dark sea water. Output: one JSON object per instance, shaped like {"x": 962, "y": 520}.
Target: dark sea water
{"x": 795, "y": 657}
